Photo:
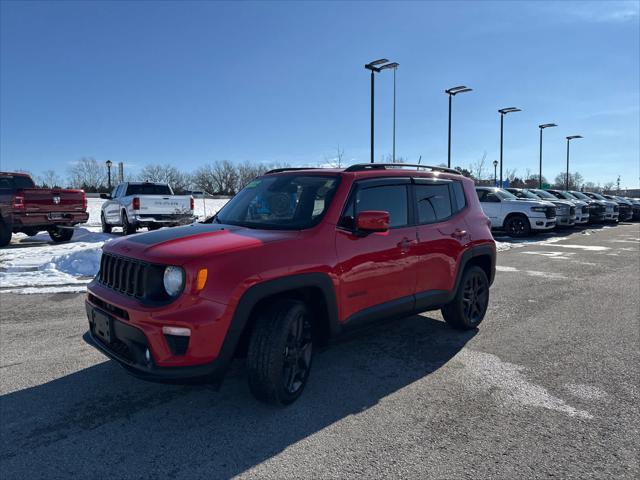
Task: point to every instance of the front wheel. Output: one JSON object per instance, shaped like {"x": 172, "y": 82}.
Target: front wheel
{"x": 517, "y": 226}
{"x": 280, "y": 353}
{"x": 61, "y": 234}
{"x": 468, "y": 307}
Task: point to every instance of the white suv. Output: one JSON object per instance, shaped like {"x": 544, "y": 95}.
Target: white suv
{"x": 518, "y": 217}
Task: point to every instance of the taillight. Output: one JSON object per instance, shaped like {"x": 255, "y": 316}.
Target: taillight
{"x": 84, "y": 201}
{"x": 18, "y": 202}
{"x": 136, "y": 203}
{"x": 193, "y": 203}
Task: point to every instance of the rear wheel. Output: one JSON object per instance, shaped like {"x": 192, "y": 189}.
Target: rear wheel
{"x": 469, "y": 306}
{"x": 517, "y": 226}
{"x": 61, "y": 234}
{"x": 127, "y": 228}
{"x": 280, "y": 353}
{"x": 5, "y": 234}
{"x": 106, "y": 228}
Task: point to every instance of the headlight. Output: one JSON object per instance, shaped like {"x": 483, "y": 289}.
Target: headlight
{"x": 173, "y": 280}
{"x": 539, "y": 209}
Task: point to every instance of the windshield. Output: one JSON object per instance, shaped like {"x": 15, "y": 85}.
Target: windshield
{"x": 598, "y": 196}
{"x": 524, "y": 194}
{"x": 581, "y": 196}
{"x": 283, "y": 202}
{"x": 148, "y": 189}
{"x": 561, "y": 195}
{"x": 503, "y": 194}
{"x": 543, "y": 194}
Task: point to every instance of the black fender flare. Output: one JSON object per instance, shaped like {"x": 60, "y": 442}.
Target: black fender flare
{"x": 263, "y": 290}
{"x": 486, "y": 250}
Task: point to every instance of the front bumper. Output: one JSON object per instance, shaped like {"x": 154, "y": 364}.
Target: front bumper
{"x": 136, "y": 330}
{"x": 582, "y": 218}
{"x": 542, "y": 224}
{"x": 565, "y": 220}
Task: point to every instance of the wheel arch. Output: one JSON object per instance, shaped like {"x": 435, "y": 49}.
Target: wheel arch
{"x": 316, "y": 290}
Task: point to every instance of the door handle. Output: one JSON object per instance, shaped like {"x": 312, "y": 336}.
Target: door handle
{"x": 405, "y": 243}
{"x": 457, "y": 233}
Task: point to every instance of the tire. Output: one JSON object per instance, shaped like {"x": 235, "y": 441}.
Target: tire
{"x": 5, "y": 234}
{"x": 61, "y": 234}
{"x": 127, "y": 228}
{"x": 466, "y": 311}
{"x": 280, "y": 353}
{"x": 106, "y": 228}
{"x": 517, "y": 226}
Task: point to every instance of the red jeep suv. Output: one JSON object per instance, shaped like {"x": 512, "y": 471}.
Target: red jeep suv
{"x": 295, "y": 258}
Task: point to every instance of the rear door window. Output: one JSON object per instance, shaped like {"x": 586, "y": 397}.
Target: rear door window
{"x": 433, "y": 203}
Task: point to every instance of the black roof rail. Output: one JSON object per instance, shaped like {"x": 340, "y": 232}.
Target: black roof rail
{"x": 290, "y": 169}
{"x": 383, "y": 166}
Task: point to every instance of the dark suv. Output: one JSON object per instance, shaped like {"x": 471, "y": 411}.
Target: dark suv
{"x": 298, "y": 256}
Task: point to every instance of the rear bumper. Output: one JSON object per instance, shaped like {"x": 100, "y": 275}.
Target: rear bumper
{"x": 44, "y": 221}
{"x": 166, "y": 220}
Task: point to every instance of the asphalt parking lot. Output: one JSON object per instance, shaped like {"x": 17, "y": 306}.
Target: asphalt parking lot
{"x": 547, "y": 387}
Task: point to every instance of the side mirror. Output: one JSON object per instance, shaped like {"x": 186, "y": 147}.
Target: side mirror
{"x": 373, "y": 221}
{"x": 105, "y": 196}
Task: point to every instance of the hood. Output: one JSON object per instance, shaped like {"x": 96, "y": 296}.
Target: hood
{"x": 530, "y": 201}
{"x": 562, "y": 203}
{"x": 179, "y": 245}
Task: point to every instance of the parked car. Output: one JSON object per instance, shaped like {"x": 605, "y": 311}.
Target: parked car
{"x": 611, "y": 213}
{"x": 582, "y": 208}
{"x": 597, "y": 208}
{"x": 328, "y": 250}
{"x": 565, "y": 212}
{"x": 625, "y": 207}
{"x": 635, "y": 205}
{"x": 518, "y": 217}
{"x": 28, "y": 209}
{"x": 133, "y": 205}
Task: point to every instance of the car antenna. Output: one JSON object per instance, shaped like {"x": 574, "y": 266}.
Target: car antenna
{"x": 419, "y": 159}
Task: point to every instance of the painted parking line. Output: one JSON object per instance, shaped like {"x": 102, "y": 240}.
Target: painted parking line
{"x": 532, "y": 273}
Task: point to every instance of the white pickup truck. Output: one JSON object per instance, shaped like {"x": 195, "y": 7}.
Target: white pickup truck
{"x": 518, "y": 217}
{"x": 133, "y": 205}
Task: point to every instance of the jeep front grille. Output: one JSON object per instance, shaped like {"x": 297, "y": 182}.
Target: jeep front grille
{"x": 124, "y": 275}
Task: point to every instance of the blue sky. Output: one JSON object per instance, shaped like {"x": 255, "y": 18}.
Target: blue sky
{"x": 189, "y": 83}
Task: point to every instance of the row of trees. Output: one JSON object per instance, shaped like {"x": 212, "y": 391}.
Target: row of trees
{"x": 227, "y": 178}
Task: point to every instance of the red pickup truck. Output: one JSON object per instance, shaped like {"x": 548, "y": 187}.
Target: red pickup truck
{"x": 28, "y": 209}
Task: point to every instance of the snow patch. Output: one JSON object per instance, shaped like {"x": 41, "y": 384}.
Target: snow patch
{"x": 507, "y": 384}
{"x": 585, "y": 392}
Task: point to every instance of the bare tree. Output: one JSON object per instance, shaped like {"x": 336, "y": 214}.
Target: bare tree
{"x": 336, "y": 160}
{"x": 178, "y": 180}
{"x": 477, "y": 168}
{"x": 50, "y": 179}
{"x": 575, "y": 181}
{"x": 247, "y": 171}
{"x": 88, "y": 174}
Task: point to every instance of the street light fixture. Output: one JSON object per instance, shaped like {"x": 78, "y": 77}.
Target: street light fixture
{"x": 503, "y": 112}
{"x": 495, "y": 173}
{"x": 542, "y": 127}
{"x": 569, "y": 138}
{"x": 453, "y": 92}
{"x": 109, "y": 163}
{"x": 375, "y": 68}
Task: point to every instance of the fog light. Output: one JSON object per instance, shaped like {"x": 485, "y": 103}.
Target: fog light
{"x": 147, "y": 356}
{"x": 177, "y": 331}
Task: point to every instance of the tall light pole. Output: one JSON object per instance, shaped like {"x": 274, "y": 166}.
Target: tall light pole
{"x": 373, "y": 66}
{"x": 542, "y": 127}
{"x": 566, "y": 180}
{"x": 453, "y": 92}
{"x": 109, "y": 163}
{"x": 503, "y": 112}
{"x": 495, "y": 173}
